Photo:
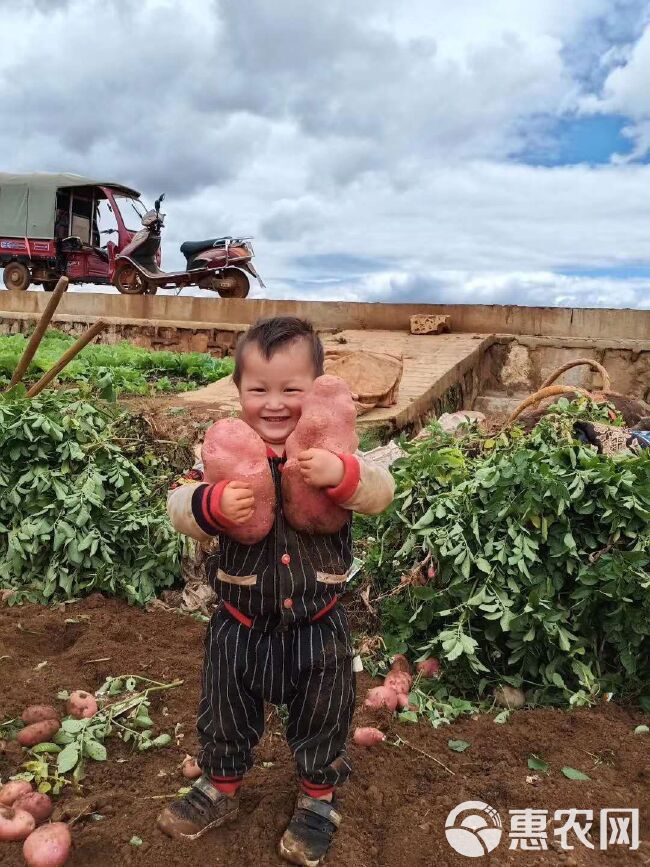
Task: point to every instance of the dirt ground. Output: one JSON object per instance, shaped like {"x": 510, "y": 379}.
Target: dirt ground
{"x": 171, "y": 419}
{"x": 395, "y": 805}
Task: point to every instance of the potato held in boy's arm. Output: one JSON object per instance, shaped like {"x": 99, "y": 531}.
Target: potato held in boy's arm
{"x": 327, "y": 422}
{"x": 233, "y": 452}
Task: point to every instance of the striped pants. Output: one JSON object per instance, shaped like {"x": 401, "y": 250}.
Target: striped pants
{"x": 307, "y": 667}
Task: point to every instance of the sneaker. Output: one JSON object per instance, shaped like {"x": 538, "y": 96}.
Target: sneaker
{"x": 310, "y": 832}
{"x": 202, "y": 808}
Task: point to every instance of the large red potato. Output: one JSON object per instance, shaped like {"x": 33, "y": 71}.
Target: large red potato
{"x": 327, "y": 421}
{"x": 48, "y": 846}
{"x": 38, "y": 713}
{"x": 13, "y": 790}
{"x": 81, "y": 704}
{"x": 40, "y": 806}
{"x": 400, "y": 681}
{"x": 15, "y": 824}
{"x": 381, "y": 696}
{"x": 234, "y": 451}
{"x": 37, "y": 733}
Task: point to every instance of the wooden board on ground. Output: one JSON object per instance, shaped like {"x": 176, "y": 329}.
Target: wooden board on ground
{"x": 432, "y": 364}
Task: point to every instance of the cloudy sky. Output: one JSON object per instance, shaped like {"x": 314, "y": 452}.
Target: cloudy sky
{"x": 485, "y": 151}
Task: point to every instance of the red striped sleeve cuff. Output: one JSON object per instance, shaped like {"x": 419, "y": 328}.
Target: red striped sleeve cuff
{"x": 350, "y": 481}
{"x": 206, "y": 508}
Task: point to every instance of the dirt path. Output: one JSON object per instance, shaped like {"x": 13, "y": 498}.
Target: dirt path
{"x": 396, "y": 803}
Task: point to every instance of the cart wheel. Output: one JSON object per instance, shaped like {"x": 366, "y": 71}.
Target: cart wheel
{"x": 17, "y": 276}
{"x": 232, "y": 284}
{"x": 129, "y": 281}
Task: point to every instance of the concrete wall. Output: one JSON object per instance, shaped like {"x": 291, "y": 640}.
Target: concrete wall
{"x": 197, "y": 312}
{"x": 218, "y": 342}
{"x": 520, "y": 366}
{"x": 532, "y": 343}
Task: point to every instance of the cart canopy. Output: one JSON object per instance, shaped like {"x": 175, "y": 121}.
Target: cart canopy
{"x": 28, "y": 202}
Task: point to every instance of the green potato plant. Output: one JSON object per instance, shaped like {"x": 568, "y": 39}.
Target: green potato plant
{"x": 526, "y": 558}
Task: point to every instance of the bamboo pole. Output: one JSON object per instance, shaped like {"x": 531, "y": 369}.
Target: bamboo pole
{"x": 67, "y": 357}
{"x": 39, "y": 331}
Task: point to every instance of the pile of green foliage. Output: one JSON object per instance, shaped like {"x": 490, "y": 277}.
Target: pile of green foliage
{"x": 522, "y": 559}
{"x": 109, "y": 370}
{"x": 82, "y": 501}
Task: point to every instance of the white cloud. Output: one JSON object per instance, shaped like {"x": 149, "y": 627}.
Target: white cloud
{"x": 625, "y": 91}
{"x": 539, "y": 288}
{"x": 626, "y": 87}
{"x": 533, "y": 288}
{"x": 477, "y": 216}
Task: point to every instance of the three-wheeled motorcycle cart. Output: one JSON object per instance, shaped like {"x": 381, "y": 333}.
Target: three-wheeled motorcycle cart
{"x": 54, "y": 224}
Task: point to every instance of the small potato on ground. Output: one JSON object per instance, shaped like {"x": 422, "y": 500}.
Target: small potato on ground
{"x": 15, "y": 824}
{"x": 82, "y": 705}
{"x": 39, "y": 805}
{"x": 400, "y": 663}
{"x": 38, "y": 713}
{"x": 37, "y": 733}
{"x": 190, "y": 768}
{"x": 48, "y": 846}
{"x": 13, "y": 790}
{"x": 429, "y": 668}
{"x": 368, "y": 736}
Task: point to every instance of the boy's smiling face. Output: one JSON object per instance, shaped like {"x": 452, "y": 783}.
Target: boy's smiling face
{"x": 272, "y": 389}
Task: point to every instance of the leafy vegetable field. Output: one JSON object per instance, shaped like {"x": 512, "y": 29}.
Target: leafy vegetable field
{"x": 522, "y": 559}
{"x": 118, "y": 369}
{"x": 82, "y": 500}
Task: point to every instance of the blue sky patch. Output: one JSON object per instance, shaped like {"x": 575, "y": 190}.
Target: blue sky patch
{"x": 615, "y": 272}
{"x": 572, "y": 140}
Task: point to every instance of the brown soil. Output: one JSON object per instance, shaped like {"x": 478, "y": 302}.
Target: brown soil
{"x": 170, "y": 419}
{"x": 394, "y": 806}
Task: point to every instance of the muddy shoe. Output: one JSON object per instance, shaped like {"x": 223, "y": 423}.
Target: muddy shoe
{"x": 310, "y": 832}
{"x": 202, "y": 808}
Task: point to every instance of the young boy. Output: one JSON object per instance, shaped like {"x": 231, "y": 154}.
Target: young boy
{"x": 278, "y": 634}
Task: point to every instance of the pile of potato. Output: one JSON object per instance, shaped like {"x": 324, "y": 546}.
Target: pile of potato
{"x": 397, "y": 684}
{"x": 23, "y": 811}
{"x": 393, "y": 694}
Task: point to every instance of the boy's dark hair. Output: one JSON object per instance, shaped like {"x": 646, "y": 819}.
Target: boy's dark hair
{"x": 270, "y": 334}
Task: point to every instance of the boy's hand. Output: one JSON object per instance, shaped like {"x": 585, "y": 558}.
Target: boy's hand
{"x": 320, "y": 468}
{"x": 237, "y": 502}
